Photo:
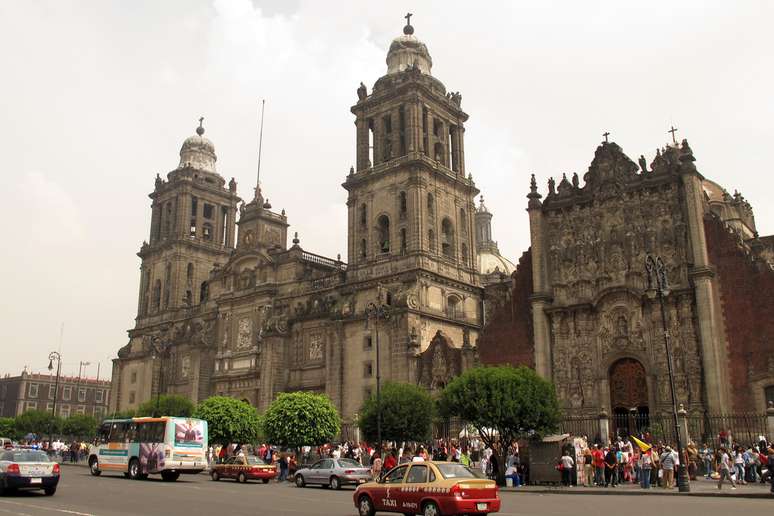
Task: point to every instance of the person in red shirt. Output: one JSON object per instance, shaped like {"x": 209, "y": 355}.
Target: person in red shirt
{"x": 390, "y": 462}
{"x": 599, "y": 465}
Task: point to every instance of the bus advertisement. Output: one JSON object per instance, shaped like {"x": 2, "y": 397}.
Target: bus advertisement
{"x": 140, "y": 446}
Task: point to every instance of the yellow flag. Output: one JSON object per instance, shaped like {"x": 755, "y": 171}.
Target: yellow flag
{"x": 643, "y": 446}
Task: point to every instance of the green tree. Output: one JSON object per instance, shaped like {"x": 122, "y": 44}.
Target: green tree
{"x": 168, "y": 405}
{"x": 503, "y": 404}
{"x": 80, "y": 426}
{"x": 296, "y": 419}
{"x": 38, "y": 422}
{"x": 407, "y": 413}
{"x": 229, "y": 420}
{"x": 8, "y": 427}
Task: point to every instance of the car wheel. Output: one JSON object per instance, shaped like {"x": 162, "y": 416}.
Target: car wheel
{"x": 430, "y": 509}
{"x": 134, "y": 469}
{"x": 300, "y": 481}
{"x": 365, "y": 506}
{"x": 215, "y": 476}
{"x": 335, "y": 483}
{"x": 242, "y": 478}
{"x": 169, "y": 476}
{"x": 265, "y": 480}
{"x": 49, "y": 491}
{"x": 94, "y": 467}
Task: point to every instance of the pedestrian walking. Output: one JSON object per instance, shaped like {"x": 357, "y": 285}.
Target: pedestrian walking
{"x": 566, "y": 464}
{"x": 724, "y": 468}
{"x": 668, "y": 462}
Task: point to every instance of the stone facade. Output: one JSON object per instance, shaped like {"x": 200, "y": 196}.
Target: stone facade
{"x": 596, "y": 333}
{"x": 251, "y": 317}
{"x": 32, "y": 391}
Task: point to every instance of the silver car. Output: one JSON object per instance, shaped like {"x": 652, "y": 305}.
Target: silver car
{"x": 333, "y": 473}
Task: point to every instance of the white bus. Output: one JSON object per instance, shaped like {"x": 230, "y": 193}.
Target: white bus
{"x": 141, "y": 446}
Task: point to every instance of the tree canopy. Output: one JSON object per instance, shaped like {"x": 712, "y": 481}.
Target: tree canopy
{"x": 8, "y": 427}
{"x": 80, "y": 426}
{"x": 503, "y": 403}
{"x": 168, "y": 405}
{"x": 301, "y": 418}
{"x": 37, "y": 422}
{"x": 229, "y": 420}
{"x": 407, "y": 413}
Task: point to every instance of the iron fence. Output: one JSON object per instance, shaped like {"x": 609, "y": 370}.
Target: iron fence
{"x": 719, "y": 429}
{"x": 581, "y": 426}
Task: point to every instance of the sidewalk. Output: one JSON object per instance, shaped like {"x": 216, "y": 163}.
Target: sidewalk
{"x": 699, "y": 487}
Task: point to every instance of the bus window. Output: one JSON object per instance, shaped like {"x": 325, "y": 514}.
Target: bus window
{"x": 104, "y": 433}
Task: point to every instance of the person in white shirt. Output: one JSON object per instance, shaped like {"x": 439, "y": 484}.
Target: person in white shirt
{"x": 724, "y": 468}
{"x": 567, "y": 463}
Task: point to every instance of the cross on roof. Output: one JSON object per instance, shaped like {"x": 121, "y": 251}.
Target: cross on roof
{"x": 201, "y": 121}
{"x": 673, "y": 130}
{"x": 408, "y": 18}
{"x": 606, "y": 134}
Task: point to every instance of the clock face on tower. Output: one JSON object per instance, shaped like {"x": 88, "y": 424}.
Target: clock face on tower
{"x": 248, "y": 238}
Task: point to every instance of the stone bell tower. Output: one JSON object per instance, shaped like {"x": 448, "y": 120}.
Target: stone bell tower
{"x": 411, "y": 226}
{"x": 192, "y": 228}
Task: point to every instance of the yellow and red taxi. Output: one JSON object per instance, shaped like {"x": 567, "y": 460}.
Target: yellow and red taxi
{"x": 430, "y": 489}
{"x": 242, "y": 469}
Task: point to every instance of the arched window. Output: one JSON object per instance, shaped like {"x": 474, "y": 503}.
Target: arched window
{"x": 363, "y": 248}
{"x": 447, "y": 238}
{"x": 403, "y": 204}
{"x": 453, "y": 307}
{"x": 464, "y": 253}
{"x": 383, "y": 233}
{"x": 363, "y": 215}
{"x": 203, "y": 292}
{"x": 403, "y": 241}
{"x": 431, "y": 240}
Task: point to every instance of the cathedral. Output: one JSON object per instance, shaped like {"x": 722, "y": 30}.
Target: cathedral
{"x": 226, "y": 307}
{"x": 577, "y": 309}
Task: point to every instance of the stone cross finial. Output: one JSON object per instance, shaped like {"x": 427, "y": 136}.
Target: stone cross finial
{"x": 408, "y": 18}
{"x": 606, "y": 134}
{"x": 200, "y": 129}
{"x": 673, "y": 130}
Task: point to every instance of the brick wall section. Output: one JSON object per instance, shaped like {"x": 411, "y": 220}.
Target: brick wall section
{"x": 507, "y": 337}
{"x": 747, "y": 305}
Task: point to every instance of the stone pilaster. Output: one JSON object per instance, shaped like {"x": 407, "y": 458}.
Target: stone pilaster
{"x": 540, "y": 298}
{"x": 709, "y": 315}
{"x": 361, "y": 136}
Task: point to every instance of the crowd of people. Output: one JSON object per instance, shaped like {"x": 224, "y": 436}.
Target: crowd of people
{"x": 61, "y": 451}
{"x": 632, "y": 461}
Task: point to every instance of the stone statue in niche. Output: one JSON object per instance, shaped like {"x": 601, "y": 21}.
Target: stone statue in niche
{"x": 622, "y": 327}
{"x": 245, "y": 333}
{"x": 315, "y": 351}
{"x": 185, "y": 366}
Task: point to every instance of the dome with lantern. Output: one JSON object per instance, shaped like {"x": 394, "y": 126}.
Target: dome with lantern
{"x": 198, "y": 152}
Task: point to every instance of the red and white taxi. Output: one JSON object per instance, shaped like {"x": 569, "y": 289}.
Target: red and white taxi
{"x": 430, "y": 489}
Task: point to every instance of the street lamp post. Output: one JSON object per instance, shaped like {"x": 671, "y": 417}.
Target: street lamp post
{"x": 54, "y": 355}
{"x": 658, "y": 287}
{"x": 156, "y": 353}
{"x": 377, "y": 311}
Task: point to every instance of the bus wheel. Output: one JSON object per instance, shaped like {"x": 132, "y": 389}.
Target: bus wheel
{"x": 169, "y": 476}
{"x": 134, "y": 469}
{"x": 94, "y": 467}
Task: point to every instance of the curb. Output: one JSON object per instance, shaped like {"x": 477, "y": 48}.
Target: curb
{"x": 641, "y": 492}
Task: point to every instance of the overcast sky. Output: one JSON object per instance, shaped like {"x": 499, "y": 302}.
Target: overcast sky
{"x": 97, "y": 97}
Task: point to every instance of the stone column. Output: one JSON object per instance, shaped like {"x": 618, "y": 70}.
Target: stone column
{"x": 377, "y": 137}
{"x": 395, "y": 133}
{"x": 455, "y": 158}
{"x": 461, "y": 141}
{"x": 361, "y": 136}
{"x": 539, "y": 299}
{"x": 155, "y": 223}
{"x": 709, "y": 314}
{"x": 604, "y": 428}
{"x": 411, "y": 127}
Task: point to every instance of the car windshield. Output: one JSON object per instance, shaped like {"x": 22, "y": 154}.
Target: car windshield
{"x": 349, "y": 463}
{"x": 25, "y": 456}
{"x": 452, "y": 470}
{"x": 252, "y": 459}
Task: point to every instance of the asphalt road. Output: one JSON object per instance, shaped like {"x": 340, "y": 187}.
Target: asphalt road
{"x": 80, "y": 494}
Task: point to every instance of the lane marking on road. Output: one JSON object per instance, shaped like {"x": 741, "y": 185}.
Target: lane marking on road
{"x": 43, "y": 507}
{"x": 15, "y": 512}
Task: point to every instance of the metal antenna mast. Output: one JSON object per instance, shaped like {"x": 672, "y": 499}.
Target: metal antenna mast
{"x": 260, "y": 146}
